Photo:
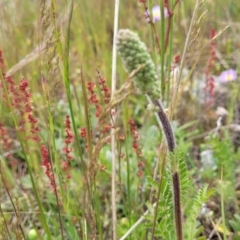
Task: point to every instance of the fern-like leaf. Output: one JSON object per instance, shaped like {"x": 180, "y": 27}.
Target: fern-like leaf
{"x": 190, "y": 228}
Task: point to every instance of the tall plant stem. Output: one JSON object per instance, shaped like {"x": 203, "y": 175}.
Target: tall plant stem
{"x": 113, "y": 139}
{"x": 177, "y": 205}
{"x": 169, "y": 136}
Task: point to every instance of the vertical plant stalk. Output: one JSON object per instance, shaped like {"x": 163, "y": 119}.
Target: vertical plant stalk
{"x": 14, "y": 207}
{"x": 134, "y": 55}
{"x": 222, "y": 205}
{"x": 164, "y": 124}
{"x": 169, "y": 136}
{"x": 177, "y": 204}
{"x": 183, "y": 58}
{"x": 135, "y": 225}
{"x": 113, "y": 139}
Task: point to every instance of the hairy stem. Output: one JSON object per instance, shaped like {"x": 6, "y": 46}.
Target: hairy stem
{"x": 169, "y": 136}
{"x": 165, "y": 125}
{"x": 177, "y": 205}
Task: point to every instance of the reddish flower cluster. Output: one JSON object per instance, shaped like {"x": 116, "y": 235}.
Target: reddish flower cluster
{"x": 102, "y": 167}
{"x": 21, "y": 103}
{"x": 104, "y": 88}
{"x": 1, "y": 61}
{"x": 48, "y": 168}
{"x": 140, "y": 169}
{"x": 177, "y": 59}
{"x": 27, "y": 108}
{"x": 135, "y": 145}
{"x": 93, "y": 98}
{"x": 5, "y": 141}
{"x": 121, "y": 137}
{"x": 209, "y": 88}
{"x": 135, "y": 135}
{"x": 67, "y": 149}
{"x": 14, "y": 95}
{"x": 83, "y": 132}
{"x": 106, "y": 128}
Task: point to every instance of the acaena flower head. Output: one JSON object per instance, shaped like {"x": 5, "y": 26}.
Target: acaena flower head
{"x": 134, "y": 54}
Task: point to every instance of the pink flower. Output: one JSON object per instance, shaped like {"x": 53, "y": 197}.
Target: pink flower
{"x": 156, "y": 13}
{"x": 228, "y": 76}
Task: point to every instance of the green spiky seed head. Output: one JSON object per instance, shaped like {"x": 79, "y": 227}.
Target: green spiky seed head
{"x": 134, "y": 54}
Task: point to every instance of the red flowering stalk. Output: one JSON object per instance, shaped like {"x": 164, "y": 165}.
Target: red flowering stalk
{"x": 134, "y": 132}
{"x": 67, "y": 149}
{"x": 104, "y": 88}
{"x": 46, "y": 164}
{"x": 11, "y": 88}
{"x": 21, "y": 102}
{"x": 83, "y": 132}
{"x": 2, "y": 66}
{"x": 28, "y": 110}
{"x": 106, "y": 92}
{"x": 5, "y": 141}
{"x": 209, "y": 88}
{"x": 17, "y": 99}
{"x": 93, "y": 99}
{"x": 135, "y": 145}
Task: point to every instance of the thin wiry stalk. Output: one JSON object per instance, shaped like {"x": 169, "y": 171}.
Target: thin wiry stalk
{"x": 136, "y": 224}
{"x": 183, "y": 57}
{"x": 159, "y": 192}
{"x": 125, "y": 117}
{"x": 10, "y": 197}
{"x": 38, "y": 51}
{"x": 222, "y": 206}
{"x": 177, "y": 204}
{"x": 162, "y": 55}
{"x": 170, "y": 52}
{"x": 113, "y": 139}
{"x": 5, "y": 223}
{"x": 65, "y": 71}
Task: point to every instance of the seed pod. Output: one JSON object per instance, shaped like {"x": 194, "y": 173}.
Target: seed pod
{"x": 134, "y": 54}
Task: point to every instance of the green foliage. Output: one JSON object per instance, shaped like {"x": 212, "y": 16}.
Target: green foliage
{"x": 224, "y": 155}
{"x": 183, "y": 133}
{"x": 165, "y": 218}
{"x": 183, "y": 172}
{"x": 223, "y": 162}
{"x": 235, "y": 224}
{"x": 191, "y": 230}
